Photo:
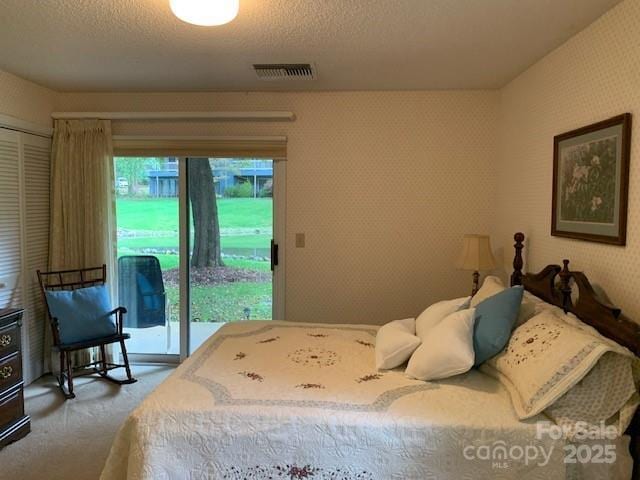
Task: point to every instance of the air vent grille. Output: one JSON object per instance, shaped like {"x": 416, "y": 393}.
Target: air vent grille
{"x": 285, "y": 71}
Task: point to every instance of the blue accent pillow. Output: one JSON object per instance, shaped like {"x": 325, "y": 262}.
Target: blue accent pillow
{"x": 494, "y": 321}
{"x": 82, "y": 314}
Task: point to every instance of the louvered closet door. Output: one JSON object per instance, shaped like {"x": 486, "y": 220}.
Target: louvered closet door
{"x": 10, "y": 219}
{"x": 36, "y": 152}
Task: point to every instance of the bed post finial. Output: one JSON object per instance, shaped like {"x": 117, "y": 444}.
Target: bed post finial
{"x": 565, "y": 286}
{"x": 516, "y": 276}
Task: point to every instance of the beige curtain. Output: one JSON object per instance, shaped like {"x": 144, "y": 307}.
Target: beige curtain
{"x": 83, "y": 231}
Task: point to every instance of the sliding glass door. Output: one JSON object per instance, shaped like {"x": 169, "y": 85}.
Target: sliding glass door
{"x": 230, "y": 275}
{"x": 147, "y": 217}
{"x": 196, "y": 249}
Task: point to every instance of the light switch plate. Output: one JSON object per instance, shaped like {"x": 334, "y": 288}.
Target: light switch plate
{"x": 300, "y": 240}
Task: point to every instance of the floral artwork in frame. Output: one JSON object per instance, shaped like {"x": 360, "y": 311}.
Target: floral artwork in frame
{"x": 591, "y": 182}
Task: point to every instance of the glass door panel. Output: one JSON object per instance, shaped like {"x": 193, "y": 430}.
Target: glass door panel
{"x": 230, "y": 276}
{"x": 194, "y": 249}
{"x": 147, "y": 201}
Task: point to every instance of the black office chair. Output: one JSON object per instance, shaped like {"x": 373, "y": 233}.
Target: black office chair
{"x": 141, "y": 291}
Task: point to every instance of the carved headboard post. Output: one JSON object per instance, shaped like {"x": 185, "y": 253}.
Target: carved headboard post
{"x": 565, "y": 285}
{"x": 518, "y": 263}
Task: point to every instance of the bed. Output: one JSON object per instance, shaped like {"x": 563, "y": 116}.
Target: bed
{"x": 271, "y": 399}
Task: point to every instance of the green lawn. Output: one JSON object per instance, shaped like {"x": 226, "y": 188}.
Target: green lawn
{"x": 223, "y": 303}
{"x": 228, "y": 241}
{"x": 248, "y": 264}
{"x": 147, "y": 214}
{"x": 167, "y": 262}
{"x": 209, "y": 303}
{"x": 162, "y": 213}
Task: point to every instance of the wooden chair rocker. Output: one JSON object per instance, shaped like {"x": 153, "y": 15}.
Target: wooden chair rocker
{"x": 81, "y": 316}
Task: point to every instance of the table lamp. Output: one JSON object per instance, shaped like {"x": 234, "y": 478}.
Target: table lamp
{"x": 476, "y": 255}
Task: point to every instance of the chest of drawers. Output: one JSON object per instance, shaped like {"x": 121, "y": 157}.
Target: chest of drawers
{"x": 14, "y": 424}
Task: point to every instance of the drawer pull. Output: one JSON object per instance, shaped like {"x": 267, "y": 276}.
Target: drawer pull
{"x": 5, "y": 340}
{"x": 6, "y": 372}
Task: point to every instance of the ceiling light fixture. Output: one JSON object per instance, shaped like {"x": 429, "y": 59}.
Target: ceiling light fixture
{"x": 206, "y": 13}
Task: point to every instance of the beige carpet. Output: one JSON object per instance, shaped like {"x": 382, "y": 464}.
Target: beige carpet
{"x": 71, "y": 440}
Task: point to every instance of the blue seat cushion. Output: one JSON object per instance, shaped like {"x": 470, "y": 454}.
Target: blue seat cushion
{"x": 151, "y": 299}
{"x": 494, "y": 320}
{"x": 82, "y": 314}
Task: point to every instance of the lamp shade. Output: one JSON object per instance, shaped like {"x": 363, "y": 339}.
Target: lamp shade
{"x": 476, "y": 253}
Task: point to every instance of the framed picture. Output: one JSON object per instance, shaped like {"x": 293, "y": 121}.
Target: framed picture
{"x": 591, "y": 181}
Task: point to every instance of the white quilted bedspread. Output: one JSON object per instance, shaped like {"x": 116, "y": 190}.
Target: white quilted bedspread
{"x": 283, "y": 400}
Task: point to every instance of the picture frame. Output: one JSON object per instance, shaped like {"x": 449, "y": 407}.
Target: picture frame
{"x": 591, "y": 182}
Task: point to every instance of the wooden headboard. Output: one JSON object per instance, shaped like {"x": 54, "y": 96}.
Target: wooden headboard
{"x": 554, "y": 284}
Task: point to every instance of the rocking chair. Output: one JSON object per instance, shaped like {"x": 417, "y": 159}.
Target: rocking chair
{"x": 79, "y": 282}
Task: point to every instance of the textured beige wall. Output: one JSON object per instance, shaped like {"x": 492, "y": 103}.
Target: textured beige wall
{"x": 594, "y": 76}
{"x": 384, "y": 184}
{"x": 25, "y": 100}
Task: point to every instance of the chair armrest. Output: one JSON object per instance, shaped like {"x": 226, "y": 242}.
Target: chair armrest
{"x": 118, "y": 312}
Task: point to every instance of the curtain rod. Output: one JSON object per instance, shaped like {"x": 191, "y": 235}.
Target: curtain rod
{"x": 137, "y": 116}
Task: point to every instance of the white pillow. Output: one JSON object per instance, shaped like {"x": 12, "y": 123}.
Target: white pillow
{"x": 435, "y": 313}
{"x": 491, "y": 286}
{"x": 395, "y": 342}
{"x": 447, "y": 350}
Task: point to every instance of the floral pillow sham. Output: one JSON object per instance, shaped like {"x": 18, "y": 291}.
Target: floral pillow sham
{"x": 544, "y": 359}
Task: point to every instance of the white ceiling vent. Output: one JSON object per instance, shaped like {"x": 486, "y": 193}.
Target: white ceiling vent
{"x": 285, "y": 71}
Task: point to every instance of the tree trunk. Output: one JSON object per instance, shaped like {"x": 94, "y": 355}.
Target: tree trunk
{"x": 202, "y": 192}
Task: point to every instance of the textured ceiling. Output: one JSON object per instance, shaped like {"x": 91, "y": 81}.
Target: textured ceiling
{"x": 138, "y": 45}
